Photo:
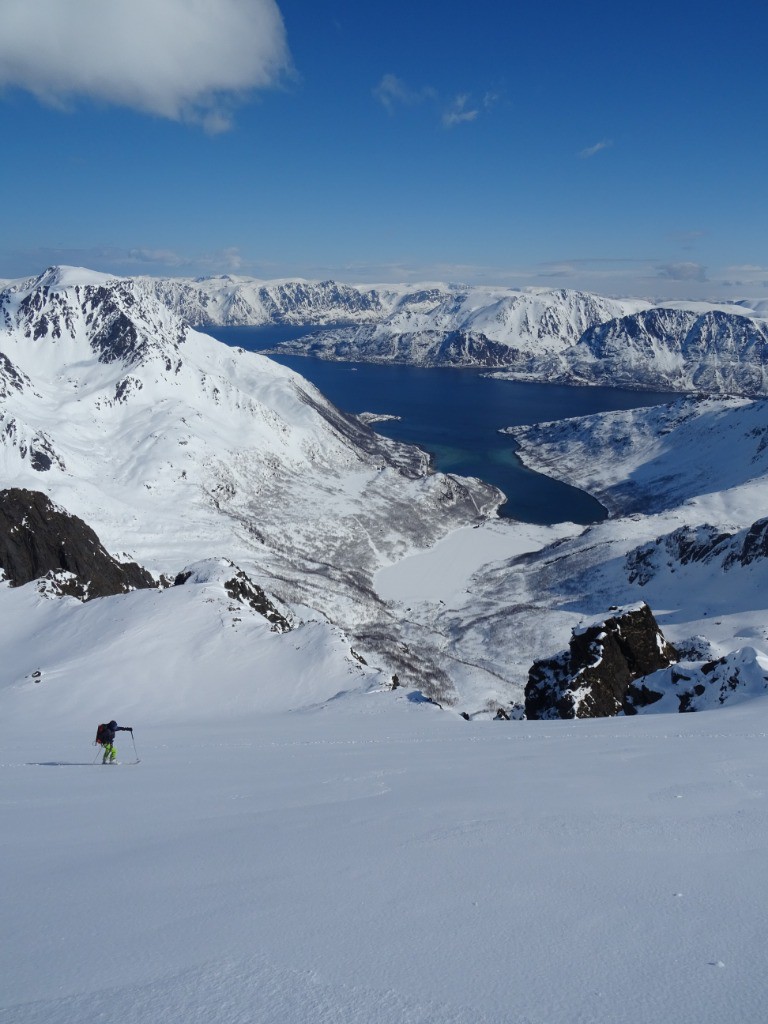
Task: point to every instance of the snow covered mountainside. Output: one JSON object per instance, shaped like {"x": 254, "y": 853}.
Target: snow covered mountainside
{"x": 469, "y": 327}
{"x": 174, "y": 448}
{"x": 568, "y": 338}
{"x": 713, "y": 352}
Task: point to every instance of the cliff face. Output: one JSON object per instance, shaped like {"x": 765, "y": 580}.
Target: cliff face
{"x": 37, "y": 538}
{"x": 596, "y": 676}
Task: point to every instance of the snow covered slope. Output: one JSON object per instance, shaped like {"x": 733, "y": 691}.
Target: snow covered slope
{"x": 712, "y": 452}
{"x": 237, "y": 301}
{"x": 193, "y": 652}
{"x": 375, "y": 861}
{"x": 687, "y": 487}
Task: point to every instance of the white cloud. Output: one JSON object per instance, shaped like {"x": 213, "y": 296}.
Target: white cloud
{"x": 180, "y": 59}
{"x": 459, "y": 112}
{"x": 585, "y": 154}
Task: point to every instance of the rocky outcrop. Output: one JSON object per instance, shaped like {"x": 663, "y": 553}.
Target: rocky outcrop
{"x": 38, "y": 539}
{"x": 601, "y": 673}
{"x": 238, "y": 586}
{"x": 33, "y": 446}
{"x": 11, "y": 378}
{"x": 703, "y": 544}
{"x": 739, "y": 675}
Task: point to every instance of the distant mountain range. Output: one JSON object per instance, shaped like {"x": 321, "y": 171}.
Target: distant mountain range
{"x": 556, "y": 335}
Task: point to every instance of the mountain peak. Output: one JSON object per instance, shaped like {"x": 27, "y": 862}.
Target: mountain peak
{"x": 70, "y": 277}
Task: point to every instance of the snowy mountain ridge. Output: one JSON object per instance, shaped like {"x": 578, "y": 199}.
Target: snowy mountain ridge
{"x": 528, "y": 334}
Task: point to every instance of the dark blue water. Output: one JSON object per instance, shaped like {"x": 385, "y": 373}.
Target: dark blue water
{"x": 456, "y": 415}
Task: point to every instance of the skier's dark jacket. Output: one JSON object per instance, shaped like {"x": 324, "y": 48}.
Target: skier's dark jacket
{"x": 108, "y": 733}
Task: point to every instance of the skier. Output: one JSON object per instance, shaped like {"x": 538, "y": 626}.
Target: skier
{"x": 105, "y": 735}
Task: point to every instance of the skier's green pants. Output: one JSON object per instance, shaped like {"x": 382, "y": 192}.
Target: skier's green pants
{"x": 109, "y": 753}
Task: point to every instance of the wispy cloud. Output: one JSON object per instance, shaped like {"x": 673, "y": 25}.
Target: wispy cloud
{"x": 746, "y": 275}
{"x": 687, "y": 239}
{"x": 229, "y": 260}
{"x": 460, "y": 112}
{"x": 176, "y": 59}
{"x": 392, "y": 91}
{"x": 591, "y": 151}
{"x": 685, "y": 271}
{"x": 128, "y": 261}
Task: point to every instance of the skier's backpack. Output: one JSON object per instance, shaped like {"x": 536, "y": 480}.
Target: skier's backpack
{"x": 101, "y": 734}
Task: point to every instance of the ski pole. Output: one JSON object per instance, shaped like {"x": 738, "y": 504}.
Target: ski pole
{"x": 134, "y": 747}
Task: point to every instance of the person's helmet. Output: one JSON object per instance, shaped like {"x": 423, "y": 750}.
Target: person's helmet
{"x": 112, "y": 724}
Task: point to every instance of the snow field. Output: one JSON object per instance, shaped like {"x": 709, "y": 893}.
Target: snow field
{"x": 381, "y": 861}
{"x": 442, "y": 572}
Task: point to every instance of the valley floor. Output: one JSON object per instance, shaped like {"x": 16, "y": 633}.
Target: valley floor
{"x": 378, "y": 861}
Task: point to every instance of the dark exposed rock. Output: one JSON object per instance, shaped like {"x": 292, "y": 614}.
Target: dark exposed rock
{"x": 11, "y": 378}
{"x": 241, "y": 588}
{"x": 62, "y": 583}
{"x": 754, "y": 545}
{"x": 595, "y": 677}
{"x": 126, "y": 387}
{"x": 639, "y": 697}
{"x": 686, "y": 698}
{"x": 39, "y": 539}
{"x": 38, "y": 448}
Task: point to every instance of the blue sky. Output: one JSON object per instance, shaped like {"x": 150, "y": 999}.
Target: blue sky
{"x": 615, "y": 147}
